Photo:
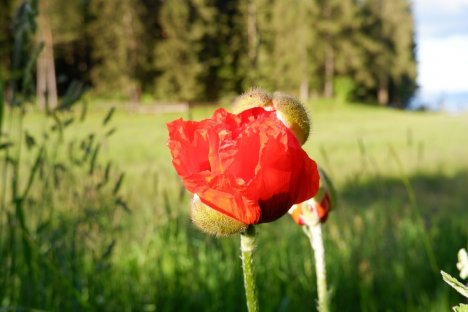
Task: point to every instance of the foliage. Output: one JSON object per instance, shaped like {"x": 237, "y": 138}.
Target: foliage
{"x": 462, "y": 289}
{"x": 45, "y": 248}
{"x": 119, "y": 50}
{"x": 461, "y": 308}
{"x": 187, "y": 30}
{"x": 458, "y": 286}
{"x": 388, "y": 50}
{"x": 203, "y": 50}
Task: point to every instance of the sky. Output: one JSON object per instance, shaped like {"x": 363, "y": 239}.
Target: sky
{"x": 442, "y": 45}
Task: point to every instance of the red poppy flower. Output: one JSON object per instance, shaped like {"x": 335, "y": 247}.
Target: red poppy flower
{"x": 248, "y": 166}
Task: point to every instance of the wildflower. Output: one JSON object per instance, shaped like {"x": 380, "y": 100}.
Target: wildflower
{"x": 462, "y": 264}
{"x": 248, "y": 167}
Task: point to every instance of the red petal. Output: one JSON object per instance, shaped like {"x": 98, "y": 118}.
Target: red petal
{"x": 247, "y": 166}
{"x": 323, "y": 208}
{"x": 188, "y": 143}
{"x": 287, "y": 176}
{"x": 226, "y": 196}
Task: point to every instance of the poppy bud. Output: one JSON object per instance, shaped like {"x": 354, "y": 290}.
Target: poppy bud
{"x": 255, "y": 97}
{"x": 316, "y": 209}
{"x": 311, "y": 211}
{"x": 212, "y": 221}
{"x": 293, "y": 114}
{"x": 288, "y": 109}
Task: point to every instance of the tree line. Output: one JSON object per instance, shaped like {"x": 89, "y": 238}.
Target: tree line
{"x": 203, "y": 50}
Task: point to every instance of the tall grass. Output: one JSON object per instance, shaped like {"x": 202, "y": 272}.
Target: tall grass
{"x": 94, "y": 255}
{"x": 56, "y": 195}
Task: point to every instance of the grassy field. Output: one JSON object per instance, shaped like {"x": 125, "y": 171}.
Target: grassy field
{"x": 402, "y": 181}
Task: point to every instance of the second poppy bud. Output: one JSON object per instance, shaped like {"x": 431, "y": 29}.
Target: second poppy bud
{"x": 316, "y": 209}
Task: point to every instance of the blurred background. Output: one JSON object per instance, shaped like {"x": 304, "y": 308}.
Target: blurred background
{"x": 94, "y": 218}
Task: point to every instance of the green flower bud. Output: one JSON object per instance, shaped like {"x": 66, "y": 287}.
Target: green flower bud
{"x": 255, "y": 97}
{"x": 289, "y": 110}
{"x": 212, "y": 221}
{"x": 293, "y": 114}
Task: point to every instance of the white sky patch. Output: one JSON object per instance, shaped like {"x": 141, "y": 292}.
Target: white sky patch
{"x": 443, "y": 64}
{"x": 448, "y": 6}
{"x": 442, "y": 45}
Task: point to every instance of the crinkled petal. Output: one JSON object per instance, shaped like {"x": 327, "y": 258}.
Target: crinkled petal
{"x": 248, "y": 166}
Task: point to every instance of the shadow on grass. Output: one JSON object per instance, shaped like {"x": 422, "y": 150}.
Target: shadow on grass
{"x": 377, "y": 257}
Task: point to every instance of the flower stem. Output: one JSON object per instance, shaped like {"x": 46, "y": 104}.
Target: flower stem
{"x": 314, "y": 232}
{"x": 247, "y": 248}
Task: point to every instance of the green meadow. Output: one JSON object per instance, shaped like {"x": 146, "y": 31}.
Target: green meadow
{"x": 105, "y": 224}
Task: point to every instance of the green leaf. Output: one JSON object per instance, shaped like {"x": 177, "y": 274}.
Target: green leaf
{"x": 93, "y": 161}
{"x": 108, "y": 116}
{"x": 327, "y": 182}
{"x": 74, "y": 92}
{"x": 6, "y": 145}
{"x": 84, "y": 111}
{"x": 461, "y": 308}
{"x": 110, "y": 132}
{"x": 118, "y": 184}
{"x": 462, "y": 289}
{"x": 120, "y": 202}
{"x": 29, "y": 139}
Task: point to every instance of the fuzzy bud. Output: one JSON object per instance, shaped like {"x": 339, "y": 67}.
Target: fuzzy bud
{"x": 293, "y": 114}
{"x": 288, "y": 109}
{"x": 255, "y": 97}
{"x": 212, "y": 221}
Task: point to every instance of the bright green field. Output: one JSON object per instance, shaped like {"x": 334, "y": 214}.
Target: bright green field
{"x": 94, "y": 256}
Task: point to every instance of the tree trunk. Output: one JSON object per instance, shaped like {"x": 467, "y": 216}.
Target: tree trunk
{"x": 329, "y": 60}
{"x": 382, "y": 95}
{"x": 46, "y": 87}
{"x": 329, "y": 71}
{"x": 304, "y": 90}
{"x": 252, "y": 33}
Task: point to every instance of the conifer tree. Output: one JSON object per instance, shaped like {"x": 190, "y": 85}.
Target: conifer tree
{"x": 336, "y": 25}
{"x": 187, "y": 27}
{"x": 387, "y": 50}
{"x": 292, "y": 65}
{"x": 118, "y": 47}
{"x": 6, "y": 38}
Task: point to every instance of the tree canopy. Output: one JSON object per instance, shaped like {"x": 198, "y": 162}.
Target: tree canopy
{"x": 202, "y": 50}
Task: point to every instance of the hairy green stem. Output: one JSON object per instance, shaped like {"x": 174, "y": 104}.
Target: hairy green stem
{"x": 247, "y": 248}
{"x": 316, "y": 241}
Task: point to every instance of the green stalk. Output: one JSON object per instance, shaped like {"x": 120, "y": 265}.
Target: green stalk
{"x": 314, "y": 232}
{"x": 247, "y": 247}
{"x": 426, "y": 240}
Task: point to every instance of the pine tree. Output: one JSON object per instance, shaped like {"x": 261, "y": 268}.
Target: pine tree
{"x": 6, "y": 39}
{"x": 230, "y": 49}
{"x": 181, "y": 56}
{"x": 387, "y": 50}
{"x": 118, "y": 47}
{"x": 336, "y": 27}
{"x": 292, "y": 66}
